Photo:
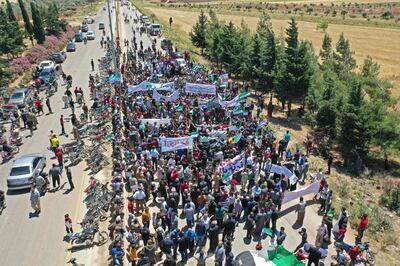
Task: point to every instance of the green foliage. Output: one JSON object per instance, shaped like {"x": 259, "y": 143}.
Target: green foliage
{"x": 344, "y": 56}
{"x": 322, "y": 25}
{"x": 38, "y": 29}
{"x": 10, "y": 12}
{"x": 198, "y": 33}
{"x": 25, "y": 17}
{"x": 391, "y": 197}
{"x": 326, "y": 52}
{"x": 370, "y": 68}
{"x": 52, "y": 24}
{"x": 11, "y": 39}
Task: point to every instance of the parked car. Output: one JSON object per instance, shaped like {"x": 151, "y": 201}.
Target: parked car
{"x": 23, "y": 170}
{"x": 47, "y": 64}
{"x": 90, "y": 21}
{"x": 45, "y": 76}
{"x": 166, "y": 44}
{"x": 85, "y": 27}
{"x": 19, "y": 97}
{"x": 155, "y": 29}
{"x": 90, "y": 35}
{"x": 78, "y": 37}
{"x": 59, "y": 57}
{"x": 101, "y": 26}
{"x": 181, "y": 62}
{"x": 71, "y": 47}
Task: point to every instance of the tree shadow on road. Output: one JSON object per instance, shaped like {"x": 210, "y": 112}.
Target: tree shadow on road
{"x": 293, "y": 208}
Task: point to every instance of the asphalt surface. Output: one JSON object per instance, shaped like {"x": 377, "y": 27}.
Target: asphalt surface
{"x": 27, "y": 239}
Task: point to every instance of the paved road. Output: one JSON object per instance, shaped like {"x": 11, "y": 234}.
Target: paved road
{"x": 39, "y": 240}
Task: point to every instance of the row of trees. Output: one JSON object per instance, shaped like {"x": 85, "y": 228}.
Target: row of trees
{"x": 45, "y": 21}
{"x": 354, "y": 108}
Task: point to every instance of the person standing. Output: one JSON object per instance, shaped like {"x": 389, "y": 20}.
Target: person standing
{"x": 68, "y": 224}
{"x": 59, "y": 155}
{"x": 69, "y": 177}
{"x": 48, "y": 105}
{"x": 183, "y": 246}
{"x": 281, "y": 236}
{"x": 92, "y": 64}
{"x": 301, "y": 211}
{"x": 62, "y": 125}
{"x": 330, "y": 161}
{"x": 35, "y": 199}
{"x": 213, "y": 233}
{"x": 219, "y": 254}
{"x": 55, "y": 174}
{"x": 362, "y": 227}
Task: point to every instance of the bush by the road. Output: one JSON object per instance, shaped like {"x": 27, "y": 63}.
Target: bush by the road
{"x": 19, "y": 65}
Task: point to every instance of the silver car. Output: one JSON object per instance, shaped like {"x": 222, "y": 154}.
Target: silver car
{"x": 19, "y": 97}
{"x": 23, "y": 169}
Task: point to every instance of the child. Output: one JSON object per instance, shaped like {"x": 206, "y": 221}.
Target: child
{"x": 68, "y": 224}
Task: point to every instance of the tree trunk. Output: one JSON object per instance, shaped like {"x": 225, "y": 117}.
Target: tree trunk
{"x": 289, "y": 109}
{"x": 386, "y": 164}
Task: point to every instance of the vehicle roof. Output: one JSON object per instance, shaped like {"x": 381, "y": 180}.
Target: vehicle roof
{"x": 21, "y": 90}
{"x": 90, "y": 32}
{"x": 26, "y": 159}
{"x": 46, "y": 62}
{"x": 155, "y": 24}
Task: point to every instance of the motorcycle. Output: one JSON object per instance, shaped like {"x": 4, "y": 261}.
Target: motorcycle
{"x": 8, "y": 155}
{"x": 3, "y": 203}
{"x": 88, "y": 236}
{"x": 368, "y": 255}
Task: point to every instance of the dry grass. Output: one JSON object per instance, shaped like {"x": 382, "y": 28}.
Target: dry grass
{"x": 381, "y": 44}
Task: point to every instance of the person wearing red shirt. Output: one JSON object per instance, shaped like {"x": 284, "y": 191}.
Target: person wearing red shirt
{"x": 59, "y": 155}
{"x": 353, "y": 254}
{"x": 300, "y": 255}
{"x": 342, "y": 233}
{"x": 362, "y": 227}
{"x": 174, "y": 175}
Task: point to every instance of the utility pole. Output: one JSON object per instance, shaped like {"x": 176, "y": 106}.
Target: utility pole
{"x": 112, "y": 38}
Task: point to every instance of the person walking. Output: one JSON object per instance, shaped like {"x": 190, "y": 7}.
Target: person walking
{"x": 62, "y": 125}
{"x": 48, "y": 105}
{"x": 183, "y": 246}
{"x": 92, "y": 64}
{"x": 213, "y": 233}
{"x": 68, "y": 224}
{"x": 69, "y": 177}
{"x": 35, "y": 199}
{"x": 330, "y": 161}
{"x": 301, "y": 211}
{"x": 55, "y": 174}
{"x": 303, "y": 233}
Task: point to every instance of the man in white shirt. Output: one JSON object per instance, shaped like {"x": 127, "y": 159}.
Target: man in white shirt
{"x": 139, "y": 197}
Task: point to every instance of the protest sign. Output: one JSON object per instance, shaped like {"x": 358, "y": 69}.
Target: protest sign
{"x": 200, "y": 88}
{"x": 232, "y": 166}
{"x": 173, "y": 144}
{"x": 158, "y": 122}
{"x": 162, "y": 98}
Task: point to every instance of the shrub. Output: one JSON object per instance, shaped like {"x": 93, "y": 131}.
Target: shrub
{"x": 20, "y": 65}
{"x": 37, "y": 53}
{"x": 391, "y": 197}
{"x": 53, "y": 43}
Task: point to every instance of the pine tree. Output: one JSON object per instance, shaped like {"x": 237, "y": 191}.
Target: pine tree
{"x": 10, "y": 12}
{"x": 344, "y": 55}
{"x": 213, "y": 34}
{"x": 52, "y": 23}
{"x": 228, "y": 46}
{"x": 11, "y": 39}
{"x": 38, "y": 30}
{"x": 326, "y": 51}
{"x": 198, "y": 33}
{"x": 297, "y": 75}
{"x": 267, "y": 54}
{"x": 243, "y": 64}
{"x": 370, "y": 68}
{"x": 255, "y": 59}
{"x": 25, "y": 17}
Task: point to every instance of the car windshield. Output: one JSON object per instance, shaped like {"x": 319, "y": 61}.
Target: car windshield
{"x": 21, "y": 170}
{"x": 45, "y": 64}
{"x": 17, "y": 95}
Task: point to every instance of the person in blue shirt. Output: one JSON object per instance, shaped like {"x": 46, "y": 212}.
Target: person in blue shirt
{"x": 281, "y": 236}
{"x": 201, "y": 231}
{"x": 191, "y": 235}
{"x": 287, "y": 136}
{"x": 117, "y": 255}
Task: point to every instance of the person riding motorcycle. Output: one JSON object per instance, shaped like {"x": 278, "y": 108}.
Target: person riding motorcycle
{"x": 3, "y": 204}
{"x": 7, "y": 148}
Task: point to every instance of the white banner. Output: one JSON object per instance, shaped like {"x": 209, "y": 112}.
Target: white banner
{"x": 173, "y": 144}
{"x": 137, "y": 88}
{"x": 292, "y": 195}
{"x": 148, "y": 86}
{"x": 200, "y": 88}
{"x": 234, "y": 165}
{"x": 226, "y": 104}
{"x": 158, "y": 122}
{"x": 161, "y": 98}
{"x": 284, "y": 170}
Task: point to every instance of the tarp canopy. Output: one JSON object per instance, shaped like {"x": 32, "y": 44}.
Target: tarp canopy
{"x": 283, "y": 257}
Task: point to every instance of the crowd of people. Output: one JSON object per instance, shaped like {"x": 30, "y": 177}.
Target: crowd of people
{"x": 180, "y": 201}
